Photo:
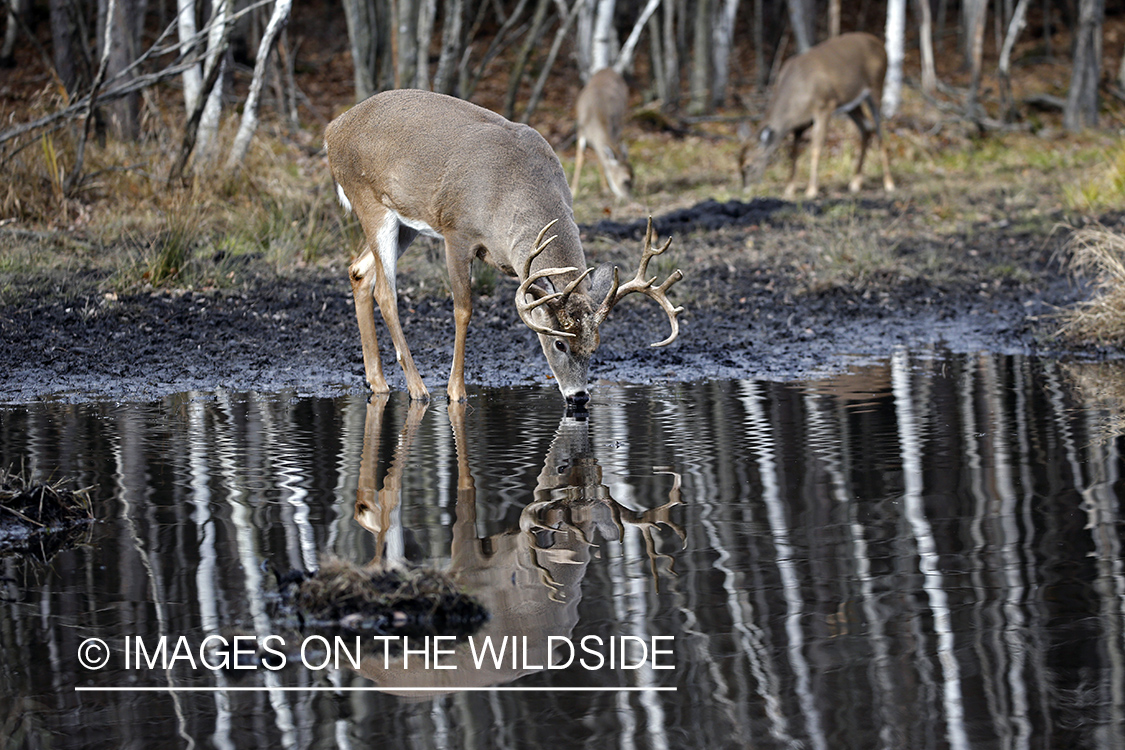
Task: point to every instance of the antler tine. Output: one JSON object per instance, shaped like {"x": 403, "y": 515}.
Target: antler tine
{"x": 573, "y": 285}
{"x": 539, "y": 246}
{"x": 523, "y": 307}
{"x": 645, "y": 286}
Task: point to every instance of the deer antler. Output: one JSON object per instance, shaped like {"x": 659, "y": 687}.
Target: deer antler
{"x": 523, "y": 307}
{"x": 645, "y": 286}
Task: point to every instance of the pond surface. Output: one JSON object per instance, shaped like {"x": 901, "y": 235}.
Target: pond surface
{"x": 923, "y": 553}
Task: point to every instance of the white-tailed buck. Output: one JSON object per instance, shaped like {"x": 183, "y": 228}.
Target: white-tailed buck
{"x": 601, "y": 117}
{"x": 838, "y": 75}
{"x": 414, "y": 162}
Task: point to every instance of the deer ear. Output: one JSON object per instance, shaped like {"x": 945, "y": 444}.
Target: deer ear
{"x": 600, "y": 282}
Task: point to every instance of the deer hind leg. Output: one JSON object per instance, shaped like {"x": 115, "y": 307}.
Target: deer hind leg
{"x": 460, "y": 266}
{"x": 865, "y": 130}
{"x": 578, "y": 159}
{"x": 390, "y": 238}
{"x": 362, "y": 273}
{"x": 888, "y": 183}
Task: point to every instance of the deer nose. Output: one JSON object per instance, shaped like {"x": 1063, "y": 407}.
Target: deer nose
{"x": 579, "y": 399}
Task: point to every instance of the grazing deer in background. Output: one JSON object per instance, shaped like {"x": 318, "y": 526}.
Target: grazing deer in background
{"x": 414, "y": 162}
{"x": 601, "y": 116}
{"x": 838, "y": 75}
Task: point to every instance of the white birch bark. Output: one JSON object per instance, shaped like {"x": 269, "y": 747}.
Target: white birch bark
{"x": 1015, "y": 26}
{"x": 250, "y": 110}
{"x": 926, "y": 45}
{"x": 895, "y": 39}
{"x": 206, "y": 134}
{"x": 185, "y": 28}
{"x": 604, "y": 45}
{"x": 722, "y": 35}
{"x": 625, "y": 57}
{"x": 584, "y": 38}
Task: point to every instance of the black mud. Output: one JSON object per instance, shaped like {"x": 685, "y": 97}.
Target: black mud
{"x": 62, "y": 338}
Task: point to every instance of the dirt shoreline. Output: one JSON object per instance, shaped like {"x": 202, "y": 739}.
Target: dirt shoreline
{"x": 64, "y": 339}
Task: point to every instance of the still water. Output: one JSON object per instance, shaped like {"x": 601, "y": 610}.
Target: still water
{"x": 922, "y": 553}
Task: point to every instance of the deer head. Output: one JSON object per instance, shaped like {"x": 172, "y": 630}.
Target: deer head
{"x": 566, "y": 319}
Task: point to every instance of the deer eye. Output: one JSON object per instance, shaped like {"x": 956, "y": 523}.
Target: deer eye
{"x": 560, "y": 345}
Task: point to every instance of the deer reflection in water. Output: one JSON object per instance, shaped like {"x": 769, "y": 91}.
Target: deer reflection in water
{"x": 529, "y": 577}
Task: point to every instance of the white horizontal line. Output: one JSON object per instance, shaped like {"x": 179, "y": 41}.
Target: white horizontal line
{"x": 388, "y": 689}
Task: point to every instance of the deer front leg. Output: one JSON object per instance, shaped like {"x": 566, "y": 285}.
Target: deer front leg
{"x": 361, "y": 272}
{"x": 460, "y": 266}
{"x": 820, "y": 125}
{"x": 794, "y": 152}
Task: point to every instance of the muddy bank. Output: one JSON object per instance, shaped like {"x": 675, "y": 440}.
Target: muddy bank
{"x": 745, "y": 318}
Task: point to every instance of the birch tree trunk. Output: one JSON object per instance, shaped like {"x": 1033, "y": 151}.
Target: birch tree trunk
{"x": 722, "y": 37}
{"x": 833, "y": 18}
{"x": 1082, "y": 98}
{"x": 625, "y": 56}
{"x": 124, "y": 19}
{"x": 363, "y": 37}
{"x": 926, "y": 45}
{"x": 701, "y": 58}
{"x": 217, "y": 36}
{"x": 7, "y": 51}
{"x": 1004, "y": 71}
{"x": 584, "y": 39}
{"x": 445, "y": 79}
{"x": 427, "y": 9}
{"x": 186, "y": 30}
{"x": 405, "y": 14}
{"x": 249, "y": 122}
{"x": 800, "y": 18}
{"x": 671, "y": 55}
{"x": 895, "y": 41}
{"x": 976, "y": 11}
{"x": 604, "y": 47}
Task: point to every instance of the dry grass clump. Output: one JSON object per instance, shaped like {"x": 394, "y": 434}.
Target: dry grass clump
{"x": 383, "y": 600}
{"x": 1099, "y": 254}
{"x": 39, "y": 519}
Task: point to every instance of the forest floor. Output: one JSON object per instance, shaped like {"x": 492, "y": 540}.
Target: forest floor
{"x": 771, "y": 290}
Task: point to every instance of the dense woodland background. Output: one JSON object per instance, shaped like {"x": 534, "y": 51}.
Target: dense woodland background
{"x": 116, "y": 68}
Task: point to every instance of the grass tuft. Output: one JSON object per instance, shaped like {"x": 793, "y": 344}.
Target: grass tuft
{"x": 1099, "y": 254}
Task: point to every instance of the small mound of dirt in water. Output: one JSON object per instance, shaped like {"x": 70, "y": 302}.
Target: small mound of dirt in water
{"x": 380, "y": 600}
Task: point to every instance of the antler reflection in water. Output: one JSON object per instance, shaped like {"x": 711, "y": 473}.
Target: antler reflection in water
{"x": 570, "y": 495}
